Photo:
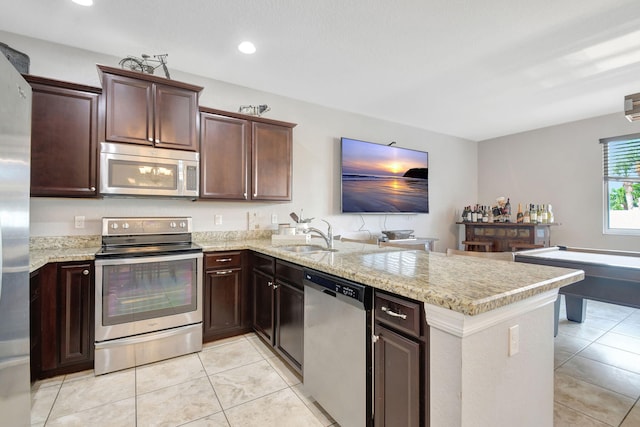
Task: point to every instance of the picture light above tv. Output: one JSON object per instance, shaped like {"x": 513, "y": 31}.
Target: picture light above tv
{"x": 383, "y": 179}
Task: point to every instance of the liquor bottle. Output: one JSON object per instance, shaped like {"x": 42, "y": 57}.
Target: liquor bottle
{"x": 539, "y": 214}
{"x": 474, "y": 214}
{"x": 507, "y": 209}
{"x": 545, "y": 218}
{"x": 490, "y": 215}
{"x": 485, "y": 214}
{"x": 526, "y": 219}
{"x": 464, "y": 213}
{"x": 469, "y": 213}
{"x": 550, "y": 218}
{"x": 520, "y": 215}
{"x": 533, "y": 214}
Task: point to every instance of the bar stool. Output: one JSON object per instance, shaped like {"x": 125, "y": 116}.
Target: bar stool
{"x": 475, "y": 245}
{"x": 520, "y": 246}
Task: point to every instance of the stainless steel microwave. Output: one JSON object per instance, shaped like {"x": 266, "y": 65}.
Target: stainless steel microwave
{"x": 138, "y": 170}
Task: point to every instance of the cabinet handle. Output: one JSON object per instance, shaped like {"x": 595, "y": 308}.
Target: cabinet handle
{"x": 92, "y": 188}
{"x": 269, "y": 283}
{"x": 85, "y": 272}
{"x": 157, "y": 141}
{"x": 255, "y": 194}
{"x": 275, "y": 286}
{"x": 245, "y": 195}
{"x": 375, "y": 338}
{"x": 150, "y": 139}
{"x": 221, "y": 272}
{"x": 393, "y": 314}
{"x": 223, "y": 259}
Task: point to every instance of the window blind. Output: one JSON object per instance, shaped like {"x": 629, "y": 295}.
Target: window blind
{"x": 621, "y": 158}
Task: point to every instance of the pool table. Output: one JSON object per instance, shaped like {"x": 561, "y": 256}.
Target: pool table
{"x": 610, "y": 276}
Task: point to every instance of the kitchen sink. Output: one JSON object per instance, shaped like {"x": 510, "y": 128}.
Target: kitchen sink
{"x": 306, "y": 249}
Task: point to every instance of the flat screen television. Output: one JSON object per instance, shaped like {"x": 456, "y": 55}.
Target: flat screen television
{"x": 383, "y": 179}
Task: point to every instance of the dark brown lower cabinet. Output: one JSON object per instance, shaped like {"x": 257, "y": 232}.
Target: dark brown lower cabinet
{"x": 225, "y": 296}
{"x": 289, "y": 313}
{"x": 397, "y": 379}
{"x": 400, "y": 362}
{"x": 263, "y": 306}
{"x": 278, "y": 307}
{"x": 66, "y": 318}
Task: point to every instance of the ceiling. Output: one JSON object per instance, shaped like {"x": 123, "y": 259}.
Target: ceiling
{"x": 476, "y": 69}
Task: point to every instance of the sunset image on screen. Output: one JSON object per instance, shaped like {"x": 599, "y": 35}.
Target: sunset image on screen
{"x": 382, "y": 178}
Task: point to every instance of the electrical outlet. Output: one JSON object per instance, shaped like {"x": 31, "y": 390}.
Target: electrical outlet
{"x": 217, "y": 219}
{"x": 274, "y": 218}
{"x": 253, "y": 221}
{"x": 79, "y": 221}
{"x": 514, "y": 340}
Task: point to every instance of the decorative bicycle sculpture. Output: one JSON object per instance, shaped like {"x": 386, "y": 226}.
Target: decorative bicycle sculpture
{"x": 146, "y": 64}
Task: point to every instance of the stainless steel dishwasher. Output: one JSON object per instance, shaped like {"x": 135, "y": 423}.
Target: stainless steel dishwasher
{"x": 337, "y": 347}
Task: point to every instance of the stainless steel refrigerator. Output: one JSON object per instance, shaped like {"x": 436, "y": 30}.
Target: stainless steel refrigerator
{"x": 15, "y": 131}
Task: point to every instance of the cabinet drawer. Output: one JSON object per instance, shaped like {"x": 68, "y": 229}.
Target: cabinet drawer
{"x": 398, "y": 313}
{"x": 222, "y": 260}
{"x": 291, "y": 273}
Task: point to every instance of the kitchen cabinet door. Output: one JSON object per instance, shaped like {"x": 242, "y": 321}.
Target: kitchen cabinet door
{"x": 66, "y": 303}
{"x": 223, "y": 299}
{"x": 397, "y": 363}
{"x": 64, "y": 138}
{"x": 224, "y": 157}
{"x": 144, "y": 109}
{"x": 271, "y": 153}
{"x": 176, "y": 116}
{"x": 128, "y": 109}
{"x": 263, "y": 305}
{"x": 289, "y": 340}
{"x": 76, "y": 327}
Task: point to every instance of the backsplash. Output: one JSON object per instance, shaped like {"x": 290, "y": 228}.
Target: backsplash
{"x": 87, "y": 241}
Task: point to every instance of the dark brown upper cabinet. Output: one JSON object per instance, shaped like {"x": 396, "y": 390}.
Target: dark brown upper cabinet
{"x": 244, "y": 157}
{"x": 64, "y": 138}
{"x": 149, "y": 110}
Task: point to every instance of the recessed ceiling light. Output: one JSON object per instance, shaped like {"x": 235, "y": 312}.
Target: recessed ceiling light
{"x": 247, "y": 47}
{"x": 83, "y": 2}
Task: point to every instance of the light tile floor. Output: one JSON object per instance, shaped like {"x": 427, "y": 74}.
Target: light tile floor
{"x": 597, "y": 368}
{"x": 241, "y": 382}
{"x": 234, "y": 382}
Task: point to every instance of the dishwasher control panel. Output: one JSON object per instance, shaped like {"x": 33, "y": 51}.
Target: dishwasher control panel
{"x": 338, "y": 287}
{"x": 348, "y": 291}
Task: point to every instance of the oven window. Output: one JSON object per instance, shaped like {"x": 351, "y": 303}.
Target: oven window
{"x": 128, "y": 174}
{"x": 132, "y": 292}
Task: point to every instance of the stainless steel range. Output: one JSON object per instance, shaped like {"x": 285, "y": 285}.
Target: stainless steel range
{"x": 148, "y": 292}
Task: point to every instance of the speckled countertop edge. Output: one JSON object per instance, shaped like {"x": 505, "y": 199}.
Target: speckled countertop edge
{"x": 467, "y": 285}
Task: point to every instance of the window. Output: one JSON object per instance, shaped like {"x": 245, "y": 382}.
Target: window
{"x": 621, "y": 179}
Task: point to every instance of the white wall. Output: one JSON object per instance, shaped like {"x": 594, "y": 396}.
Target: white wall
{"x": 316, "y": 171}
{"x": 474, "y": 382}
{"x": 561, "y": 165}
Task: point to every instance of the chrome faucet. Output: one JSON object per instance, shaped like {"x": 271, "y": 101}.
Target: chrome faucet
{"x": 328, "y": 238}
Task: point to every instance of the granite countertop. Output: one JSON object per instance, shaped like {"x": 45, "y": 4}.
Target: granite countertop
{"x": 467, "y": 285}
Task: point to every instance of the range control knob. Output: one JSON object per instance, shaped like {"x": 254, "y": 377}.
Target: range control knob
{"x": 125, "y": 225}
{"x": 183, "y": 224}
{"x": 114, "y": 225}
{"x": 172, "y": 224}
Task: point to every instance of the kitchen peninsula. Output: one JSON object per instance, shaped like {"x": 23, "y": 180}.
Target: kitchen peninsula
{"x": 472, "y": 306}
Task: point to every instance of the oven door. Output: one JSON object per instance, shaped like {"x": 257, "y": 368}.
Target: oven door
{"x": 137, "y": 295}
